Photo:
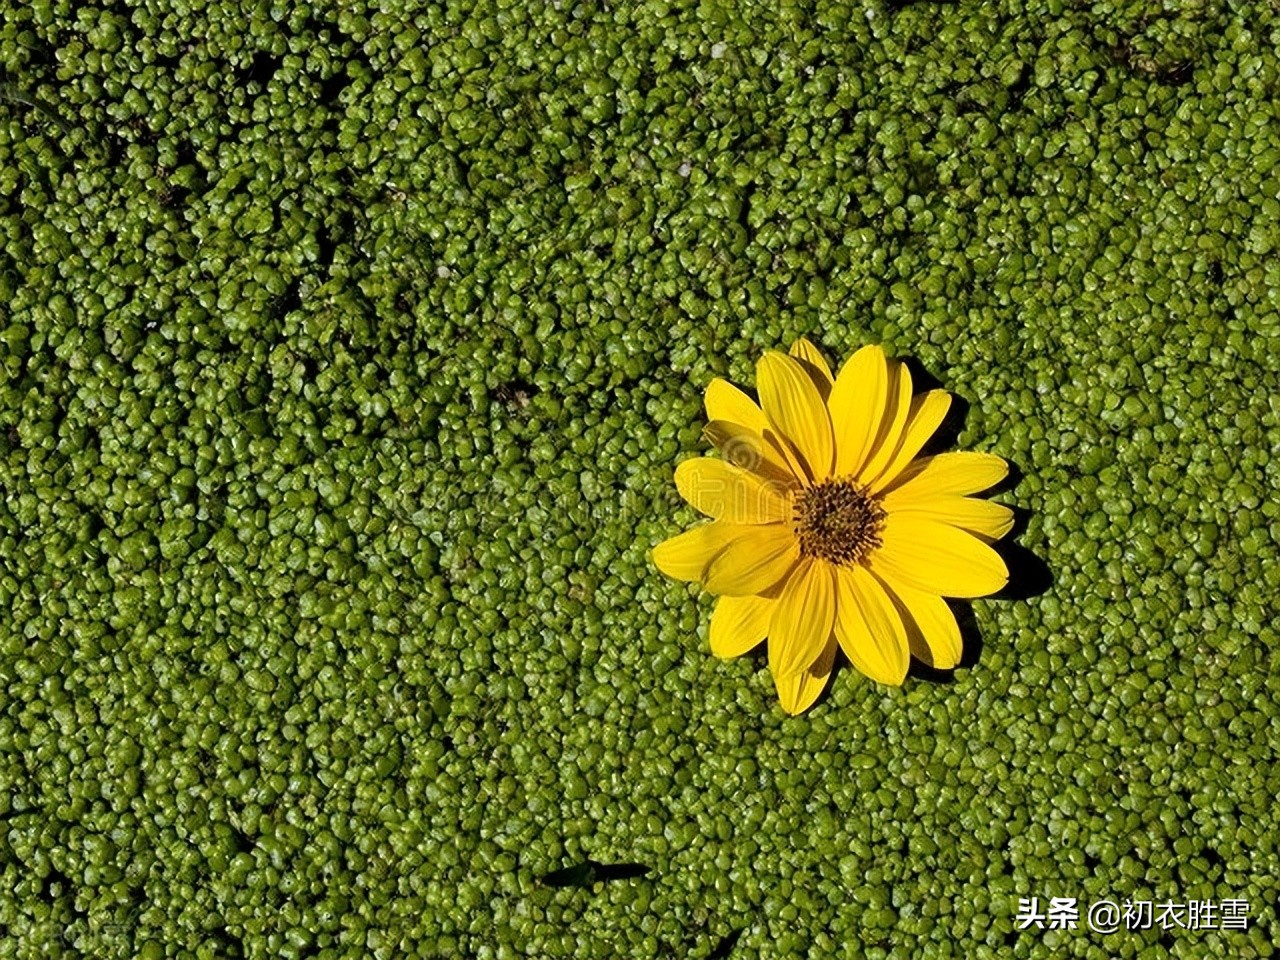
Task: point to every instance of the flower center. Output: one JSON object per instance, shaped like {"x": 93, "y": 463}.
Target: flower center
{"x": 837, "y": 521}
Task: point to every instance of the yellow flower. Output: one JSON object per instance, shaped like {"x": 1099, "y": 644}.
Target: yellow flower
{"x": 828, "y": 530}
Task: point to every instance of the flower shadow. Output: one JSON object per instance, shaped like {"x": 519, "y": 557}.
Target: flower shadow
{"x": 1029, "y": 575}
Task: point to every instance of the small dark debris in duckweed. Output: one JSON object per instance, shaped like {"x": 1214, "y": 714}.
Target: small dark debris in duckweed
{"x": 1177, "y": 74}
{"x": 516, "y": 394}
{"x": 725, "y": 946}
{"x": 588, "y": 872}
{"x": 259, "y": 71}
{"x": 287, "y": 302}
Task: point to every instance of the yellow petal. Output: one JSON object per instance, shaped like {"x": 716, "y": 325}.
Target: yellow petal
{"x": 802, "y": 619}
{"x": 927, "y": 555}
{"x": 739, "y": 623}
{"x": 724, "y": 401}
{"x": 796, "y": 410}
{"x": 786, "y": 451}
{"x": 926, "y": 414}
{"x": 932, "y": 631}
{"x": 894, "y": 423}
{"x": 989, "y": 520}
{"x": 857, "y": 405}
{"x": 755, "y": 560}
{"x": 747, "y": 449}
{"x": 961, "y": 472}
{"x": 869, "y": 628}
{"x": 725, "y": 492}
{"x": 686, "y": 555}
{"x": 814, "y": 365}
{"x": 798, "y": 691}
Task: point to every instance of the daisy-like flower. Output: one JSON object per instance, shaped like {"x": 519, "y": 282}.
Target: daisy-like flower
{"x": 827, "y": 530}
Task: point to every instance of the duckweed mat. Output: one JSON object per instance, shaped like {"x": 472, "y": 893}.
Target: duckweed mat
{"x": 347, "y": 351}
